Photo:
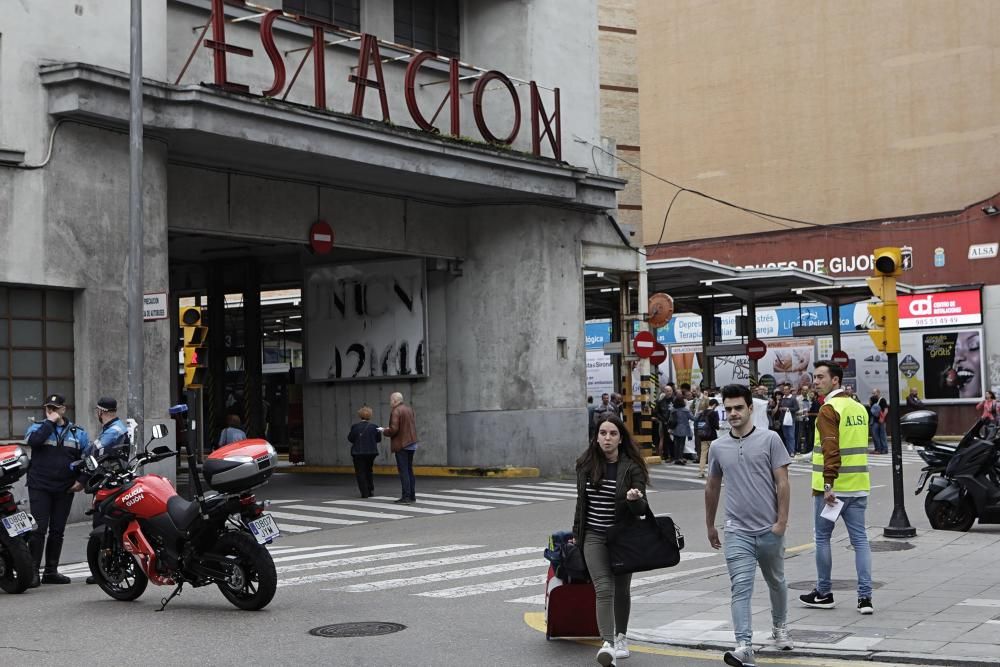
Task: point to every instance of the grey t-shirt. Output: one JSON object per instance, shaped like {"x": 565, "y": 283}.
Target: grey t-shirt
{"x": 747, "y": 464}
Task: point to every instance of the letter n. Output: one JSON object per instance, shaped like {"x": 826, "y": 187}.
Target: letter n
{"x": 369, "y": 55}
{"x": 538, "y": 112}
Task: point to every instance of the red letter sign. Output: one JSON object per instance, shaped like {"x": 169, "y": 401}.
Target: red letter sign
{"x": 369, "y": 52}
{"x": 477, "y": 107}
{"x": 218, "y": 44}
{"x": 537, "y": 110}
{"x": 411, "y": 94}
{"x": 277, "y": 64}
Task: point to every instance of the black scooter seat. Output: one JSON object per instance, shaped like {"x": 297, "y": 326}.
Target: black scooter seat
{"x": 182, "y": 512}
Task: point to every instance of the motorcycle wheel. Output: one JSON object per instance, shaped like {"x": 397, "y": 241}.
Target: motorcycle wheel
{"x": 254, "y": 579}
{"x": 16, "y": 565}
{"x": 945, "y": 516}
{"x": 114, "y": 569}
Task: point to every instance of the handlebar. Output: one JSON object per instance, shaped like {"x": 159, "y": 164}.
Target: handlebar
{"x": 101, "y": 476}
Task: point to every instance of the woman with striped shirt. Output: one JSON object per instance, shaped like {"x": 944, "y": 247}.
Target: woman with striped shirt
{"x": 611, "y": 479}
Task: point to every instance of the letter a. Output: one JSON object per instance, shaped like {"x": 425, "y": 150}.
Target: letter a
{"x": 369, "y": 53}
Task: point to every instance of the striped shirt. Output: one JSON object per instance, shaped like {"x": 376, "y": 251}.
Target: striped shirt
{"x": 601, "y": 502}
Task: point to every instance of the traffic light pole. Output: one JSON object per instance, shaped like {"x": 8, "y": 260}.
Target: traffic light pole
{"x": 136, "y": 345}
{"x": 899, "y": 523}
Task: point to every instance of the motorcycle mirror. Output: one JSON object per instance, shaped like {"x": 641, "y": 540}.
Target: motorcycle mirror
{"x": 91, "y": 464}
{"x": 159, "y": 431}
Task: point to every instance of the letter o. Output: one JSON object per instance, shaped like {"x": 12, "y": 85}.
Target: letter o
{"x": 477, "y": 107}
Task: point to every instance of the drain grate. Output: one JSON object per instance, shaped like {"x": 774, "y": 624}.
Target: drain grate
{"x": 883, "y": 545}
{"x": 836, "y": 584}
{"x": 358, "y": 629}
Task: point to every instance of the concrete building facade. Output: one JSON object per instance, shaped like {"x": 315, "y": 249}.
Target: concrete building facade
{"x": 235, "y": 178}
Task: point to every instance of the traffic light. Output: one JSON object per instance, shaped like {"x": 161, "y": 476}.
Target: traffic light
{"x": 885, "y": 314}
{"x": 195, "y": 352}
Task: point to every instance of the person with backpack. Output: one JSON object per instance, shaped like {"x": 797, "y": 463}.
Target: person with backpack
{"x": 708, "y": 427}
{"x": 611, "y": 478}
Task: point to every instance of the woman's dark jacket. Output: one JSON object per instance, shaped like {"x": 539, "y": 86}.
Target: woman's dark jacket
{"x": 629, "y": 477}
{"x": 363, "y": 437}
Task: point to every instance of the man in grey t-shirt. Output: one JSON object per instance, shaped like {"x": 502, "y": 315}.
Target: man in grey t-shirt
{"x": 754, "y": 463}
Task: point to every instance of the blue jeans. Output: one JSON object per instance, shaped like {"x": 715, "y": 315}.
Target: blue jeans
{"x": 743, "y": 554}
{"x": 853, "y": 515}
{"x": 881, "y": 441}
{"x": 404, "y": 463}
{"x": 788, "y": 435}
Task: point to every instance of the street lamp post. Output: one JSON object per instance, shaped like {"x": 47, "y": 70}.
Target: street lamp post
{"x": 136, "y": 344}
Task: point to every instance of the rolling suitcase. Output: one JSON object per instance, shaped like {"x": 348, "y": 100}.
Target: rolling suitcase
{"x": 570, "y": 609}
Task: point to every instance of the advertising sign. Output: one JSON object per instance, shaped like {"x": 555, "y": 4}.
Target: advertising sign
{"x": 940, "y": 309}
{"x": 366, "y": 320}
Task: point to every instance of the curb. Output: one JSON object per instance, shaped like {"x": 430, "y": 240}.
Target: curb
{"x": 420, "y": 471}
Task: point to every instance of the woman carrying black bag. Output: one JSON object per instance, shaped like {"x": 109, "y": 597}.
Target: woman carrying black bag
{"x": 611, "y": 479}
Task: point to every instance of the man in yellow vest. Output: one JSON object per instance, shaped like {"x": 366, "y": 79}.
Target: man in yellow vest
{"x": 840, "y": 481}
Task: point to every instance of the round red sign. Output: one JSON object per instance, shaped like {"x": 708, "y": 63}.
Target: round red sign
{"x": 643, "y": 344}
{"x": 321, "y": 237}
{"x": 659, "y": 354}
{"x": 756, "y": 349}
{"x": 840, "y": 358}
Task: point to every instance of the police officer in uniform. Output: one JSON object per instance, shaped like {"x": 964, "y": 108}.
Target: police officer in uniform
{"x": 55, "y": 443}
{"x": 113, "y": 436}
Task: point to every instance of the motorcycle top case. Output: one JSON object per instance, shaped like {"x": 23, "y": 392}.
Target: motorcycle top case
{"x": 13, "y": 464}
{"x": 919, "y": 426}
{"x": 240, "y": 466}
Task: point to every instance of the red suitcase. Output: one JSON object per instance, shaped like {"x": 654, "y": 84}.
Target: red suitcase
{"x": 570, "y": 609}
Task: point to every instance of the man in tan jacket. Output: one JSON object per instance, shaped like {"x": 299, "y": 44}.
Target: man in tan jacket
{"x": 402, "y": 432}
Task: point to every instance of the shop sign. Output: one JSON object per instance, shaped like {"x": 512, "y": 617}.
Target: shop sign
{"x": 544, "y": 126}
{"x": 940, "y": 309}
{"x": 983, "y": 250}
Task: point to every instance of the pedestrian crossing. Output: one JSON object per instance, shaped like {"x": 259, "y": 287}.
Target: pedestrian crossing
{"x": 800, "y": 467}
{"x": 295, "y": 516}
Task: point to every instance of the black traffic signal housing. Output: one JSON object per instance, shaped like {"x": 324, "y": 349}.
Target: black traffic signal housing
{"x": 195, "y": 336}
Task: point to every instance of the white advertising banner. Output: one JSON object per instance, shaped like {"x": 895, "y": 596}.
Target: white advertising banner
{"x": 366, "y": 320}
{"x": 785, "y": 361}
{"x": 600, "y": 374}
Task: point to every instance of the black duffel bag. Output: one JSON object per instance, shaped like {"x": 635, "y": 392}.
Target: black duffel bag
{"x": 644, "y": 543}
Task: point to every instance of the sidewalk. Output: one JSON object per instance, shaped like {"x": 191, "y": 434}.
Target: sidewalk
{"x": 937, "y": 601}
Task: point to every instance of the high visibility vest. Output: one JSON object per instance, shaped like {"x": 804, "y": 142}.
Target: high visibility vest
{"x": 853, "y": 474}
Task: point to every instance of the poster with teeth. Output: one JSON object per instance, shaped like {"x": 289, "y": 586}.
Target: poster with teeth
{"x": 953, "y": 365}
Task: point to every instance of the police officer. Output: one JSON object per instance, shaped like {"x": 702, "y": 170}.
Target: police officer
{"x": 113, "y": 436}
{"x": 55, "y": 443}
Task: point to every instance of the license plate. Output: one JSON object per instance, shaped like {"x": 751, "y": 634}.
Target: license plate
{"x": 264, "y": 529}
{"x": 17, "y": 524}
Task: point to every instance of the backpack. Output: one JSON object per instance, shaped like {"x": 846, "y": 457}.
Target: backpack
{"x": 566, "y": 558}
{"x": 704, "y": 424}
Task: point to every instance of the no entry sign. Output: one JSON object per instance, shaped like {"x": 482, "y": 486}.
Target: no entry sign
{"x": 756, "y": 349}
{"x": 659, "y": 354}
{"x": 643, "y": 344}
{"x": 321, "y": 237}
{"x": 840, "y": 358}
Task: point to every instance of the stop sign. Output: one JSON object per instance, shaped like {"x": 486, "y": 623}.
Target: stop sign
{"x": 840, "y": 358}
{"x": 756, "y": 349}
{"x": 321, "y": 237}
{"x": 643, "y": 344}
{"x": 659, "y": 354}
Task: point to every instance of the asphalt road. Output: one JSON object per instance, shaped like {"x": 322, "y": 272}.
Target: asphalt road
{"x": 464, "y": 582}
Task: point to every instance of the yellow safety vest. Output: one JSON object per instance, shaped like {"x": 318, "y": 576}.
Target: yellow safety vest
{"x": 853, "y": 474}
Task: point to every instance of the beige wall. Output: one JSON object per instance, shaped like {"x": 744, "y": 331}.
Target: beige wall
{"x": 824, "y": 110}
{"x": 618, "y": 44}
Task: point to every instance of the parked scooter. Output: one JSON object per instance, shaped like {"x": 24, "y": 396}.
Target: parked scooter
{"x": 150, "y": 533}
{"x": 963, "y": 480}
{"x": 16, "y": 565}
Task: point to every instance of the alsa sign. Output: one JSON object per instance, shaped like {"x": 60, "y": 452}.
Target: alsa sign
{"x": 940, "y": 309}
{"x": 543, "y": 125}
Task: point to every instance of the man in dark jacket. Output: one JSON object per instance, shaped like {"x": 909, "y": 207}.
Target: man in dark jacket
{"x": 55, "y": 443}
{"x": 364, "y": 438}
{"x": 402, "y": 432}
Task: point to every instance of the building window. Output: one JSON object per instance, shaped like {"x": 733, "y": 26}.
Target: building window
{"x": 345, "y": 13}
{"x": 428, "y": 25}
{"x": 36, "y": 354}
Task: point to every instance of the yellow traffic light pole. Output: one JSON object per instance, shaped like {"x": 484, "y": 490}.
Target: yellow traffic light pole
{"x": 885, "y": 335}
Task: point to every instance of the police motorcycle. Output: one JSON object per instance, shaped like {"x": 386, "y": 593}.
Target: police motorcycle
{"x": 963, "y": 480}
{"x": 151, "y": 534}
{"x": 17, "y": 568}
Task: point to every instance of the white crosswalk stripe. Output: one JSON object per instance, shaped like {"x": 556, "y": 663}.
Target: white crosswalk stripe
{"x": 349, "y": 512}
{"x": 471, "y": 496}
{"x": 295, "y": 528}
{"x": 500, "y": 497}
{"x": 442, "y": 503}
{"x": 316, "y": 519}
{"x": 563, "y": 493}
{"x": 407, "y": 508}
{"x": 486, "y": 587}
{"x": 374, "y": 557}
{"x": 447, "y": 575}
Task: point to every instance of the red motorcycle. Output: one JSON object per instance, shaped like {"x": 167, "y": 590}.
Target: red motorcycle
{"x": 16, "y": 565}
{"x": 150, "y": 533}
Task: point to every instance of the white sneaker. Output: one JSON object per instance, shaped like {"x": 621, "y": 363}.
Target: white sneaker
{"x": 606, "y": 656}
{"x": 779, "y": 633}
{"x": 621, "y": 646}
{"x": 741, "y": 656}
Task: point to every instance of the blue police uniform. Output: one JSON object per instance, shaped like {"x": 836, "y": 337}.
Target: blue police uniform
{"x": 53, "y": 448}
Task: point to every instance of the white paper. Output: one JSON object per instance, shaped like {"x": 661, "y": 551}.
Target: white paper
{"x": 831, "y": 512}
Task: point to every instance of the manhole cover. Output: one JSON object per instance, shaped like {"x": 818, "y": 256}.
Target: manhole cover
{"x": 361, "y": 629}
{"x": 888, "y": 546}
{"x": 836, "y": 584}
{"x": 817, "y": 636}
